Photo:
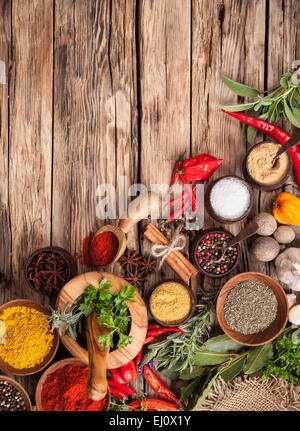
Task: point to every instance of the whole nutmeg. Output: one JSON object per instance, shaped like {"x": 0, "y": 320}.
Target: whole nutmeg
{"x": 265, "y": 249}
{"x": 284, "y": 234}
{"x": 266, "y": 222}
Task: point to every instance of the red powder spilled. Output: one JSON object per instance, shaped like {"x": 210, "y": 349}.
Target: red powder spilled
{"x": 65, "y": 390}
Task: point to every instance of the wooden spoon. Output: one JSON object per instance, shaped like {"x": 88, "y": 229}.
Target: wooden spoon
{"x": 97, "y": 386}
{"x": 139, "y": 208}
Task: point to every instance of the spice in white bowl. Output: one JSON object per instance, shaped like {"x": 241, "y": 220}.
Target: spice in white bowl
{"x": 230, "y": 198}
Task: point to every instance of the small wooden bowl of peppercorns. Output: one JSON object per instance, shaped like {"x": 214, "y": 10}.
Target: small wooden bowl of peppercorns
{"x": 48, "y": 269}
{"x": 13, "y": 396}
{"x": 206, "y": 250}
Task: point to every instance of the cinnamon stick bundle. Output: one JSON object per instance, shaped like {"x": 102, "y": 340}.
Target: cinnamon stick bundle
{"x": 177, "y": 261}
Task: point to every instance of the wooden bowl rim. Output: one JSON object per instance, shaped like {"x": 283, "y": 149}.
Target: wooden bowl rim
{"x": 117, "y": 231}
{"x": 72, "y": 344}
{"x": 220, "y": 309}
{"x": 212, "y": 212}
{"x": 37, "y": 368}
{"x": 20, "y": 388}
{"x": 195, "y": 244}
{"x": 262, "y": 186}
{"x": 61, "y": 252}
{"x": 53, "y": 368}
{"x": 193, "y": 303}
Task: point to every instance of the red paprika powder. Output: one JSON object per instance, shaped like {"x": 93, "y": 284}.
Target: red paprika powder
{"x": 65, "y": 390}
{"x": 103, "y": 249}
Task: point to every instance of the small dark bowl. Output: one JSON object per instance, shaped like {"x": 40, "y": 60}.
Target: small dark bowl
{"x": 261, "y": 186}
{"x": 210, "y": 209}
{"x": 71, "y": 266}
{"x": 194, "y": 250}
{"x": 193, "y": 302}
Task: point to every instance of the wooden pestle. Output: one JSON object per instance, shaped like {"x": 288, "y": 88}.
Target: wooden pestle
{"x": 97, "y": 386}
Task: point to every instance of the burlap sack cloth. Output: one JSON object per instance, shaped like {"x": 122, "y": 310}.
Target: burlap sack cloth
{"x": 252, "y": 394}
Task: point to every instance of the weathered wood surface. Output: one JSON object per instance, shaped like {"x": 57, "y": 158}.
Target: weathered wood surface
{"x": 96, "y": 90}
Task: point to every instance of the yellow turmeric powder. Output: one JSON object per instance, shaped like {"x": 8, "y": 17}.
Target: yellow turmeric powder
{"x": 28, "y": 338}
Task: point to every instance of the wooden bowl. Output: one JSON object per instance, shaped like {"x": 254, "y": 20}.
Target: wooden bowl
{"x": 139, "y": 320}
{"x": 269, "y": 333}
{"x": 28, "y": 371}
{"x": 20, "y": 389}
{"x": 261, "y": 186}
{"x": 195, "y": 246}
{"x": 52, "y": 369}
{"x": 210, "y": 210}
{"x": 71, "y": 265}
{"x": 193, "y": 303}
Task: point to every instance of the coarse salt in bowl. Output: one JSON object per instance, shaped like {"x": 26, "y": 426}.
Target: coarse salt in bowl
{"x": 229, "y": 199}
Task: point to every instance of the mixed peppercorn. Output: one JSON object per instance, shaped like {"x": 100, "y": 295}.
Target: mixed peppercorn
{"x": 10, "y": 398}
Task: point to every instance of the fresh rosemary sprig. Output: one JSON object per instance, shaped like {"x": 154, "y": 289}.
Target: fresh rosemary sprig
{"x": 71, "y": 320}
{"x": 282, "y": 102}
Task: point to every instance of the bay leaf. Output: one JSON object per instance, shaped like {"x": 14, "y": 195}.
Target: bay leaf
{"x": 232, "y": 370}
{"x": 189, "y": 389}
{"x": 258, "y": 357}
{"x": 170, "y": 373}
{"x": 222, "y": 343}
{"x": 240, "y": 89}
{"x": 188, "y": 375}
{"x": 202, "y": 397}
{"x": 207, "y": 357}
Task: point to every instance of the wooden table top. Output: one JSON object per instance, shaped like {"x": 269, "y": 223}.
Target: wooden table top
{"x": 94, "y": 90}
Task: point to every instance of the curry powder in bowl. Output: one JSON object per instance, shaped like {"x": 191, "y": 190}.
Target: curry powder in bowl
{"x": 171, "y": 303}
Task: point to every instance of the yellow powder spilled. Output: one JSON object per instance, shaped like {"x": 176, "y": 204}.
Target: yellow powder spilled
{"x": 171, "y": 303}
{"x": 28, "y": 338}
{"x": 260, "y": 162}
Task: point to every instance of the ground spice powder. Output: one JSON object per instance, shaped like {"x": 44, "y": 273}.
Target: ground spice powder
{"x": 28, "y": 338}
{"x": 65, "y": 390}
{"x": 104, "y": 247}
{"x": 171, "y": 303}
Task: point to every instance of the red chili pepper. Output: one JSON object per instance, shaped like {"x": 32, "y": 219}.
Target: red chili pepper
{"x": 159, "y": 386}
{"x": 117, "y": 393}
{"x": 200, "y": 168}
{"x": 152, "y": 405}
{"x": 153, "y": 326}
{"x": 176, "y": 214}
{"x": 191, "y": 194}
{"x": 127, "y": 372}
{"x": 175, "y": 176}
{"x": 160, "y": 331}
{"x": 180, "y": 198}
{"x": 147, "y": 341}
{"x": 124, "y": 388}
{"x": 116, "y": 376}
{"x": 275, "y": 132}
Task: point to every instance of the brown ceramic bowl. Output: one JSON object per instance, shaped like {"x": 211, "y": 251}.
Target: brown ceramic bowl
{"x": 52, "y": 369}
{"x": 71, "y": 266}
{"x": 195, "y": 246}
{"x": 261, "y": 186}
{"x": 22, "y": 391}
{"x": 28, "y": 371}
{"x": 193, "y": 302}
{"x": 217, "y": 217}
{"x": 269, "y": 333}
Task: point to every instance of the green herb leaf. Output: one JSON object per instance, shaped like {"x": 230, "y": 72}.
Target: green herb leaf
{"x": 189, "y": 389}
{"x": 222, "y": 343}
{"x": 231, "y": 370}
{"x": 290, "y": 115}
{"x": 238, "y": 108}
{"x": 211, "y": 358}
{"x": 170, "y": 373}
{"x": 188, "y": 375}
{"x": 240, "y": 89}
{"x": 258, "y": 357}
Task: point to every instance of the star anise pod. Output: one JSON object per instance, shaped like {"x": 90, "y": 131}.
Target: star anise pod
{"x": 130, "y": 261}
{"x": 135, "y": 278}
{"x": 147, "y": 265}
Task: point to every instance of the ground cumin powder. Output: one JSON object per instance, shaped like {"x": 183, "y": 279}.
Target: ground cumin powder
{"x": 171, "y": 303}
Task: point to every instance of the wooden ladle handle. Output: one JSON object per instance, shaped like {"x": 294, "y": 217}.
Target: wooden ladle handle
{"x": 97, "y": 386}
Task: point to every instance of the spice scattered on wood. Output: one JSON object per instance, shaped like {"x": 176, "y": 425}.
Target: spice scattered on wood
{"x": 103, "y": 249}
{"x": 28, "y": 338}
{"x": 48, "y": 272}
{"x": 65, "y": 390}
{"x": 250, "y": 307}
{"x": 237, "y": 200}
{"x": 170, "y": 303}
{"x": 130, "y": 260}
{"x": 11, "y": 399}
{"x": 208, "y": 251}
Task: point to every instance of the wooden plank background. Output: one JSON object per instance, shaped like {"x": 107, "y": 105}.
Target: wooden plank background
{"x": 96, "y": 90}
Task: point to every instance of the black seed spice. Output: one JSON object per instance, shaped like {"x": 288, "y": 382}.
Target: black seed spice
{"x": 10, "y": 398}
{"x": 250, "y": 307}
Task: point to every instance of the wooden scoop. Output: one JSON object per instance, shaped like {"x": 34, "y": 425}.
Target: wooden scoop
{"x": 138, "y": 209}
{"x": 97, "y": 386}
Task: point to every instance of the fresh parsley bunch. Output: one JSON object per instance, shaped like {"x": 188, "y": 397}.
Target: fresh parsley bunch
{"x": 111, "y": 310}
